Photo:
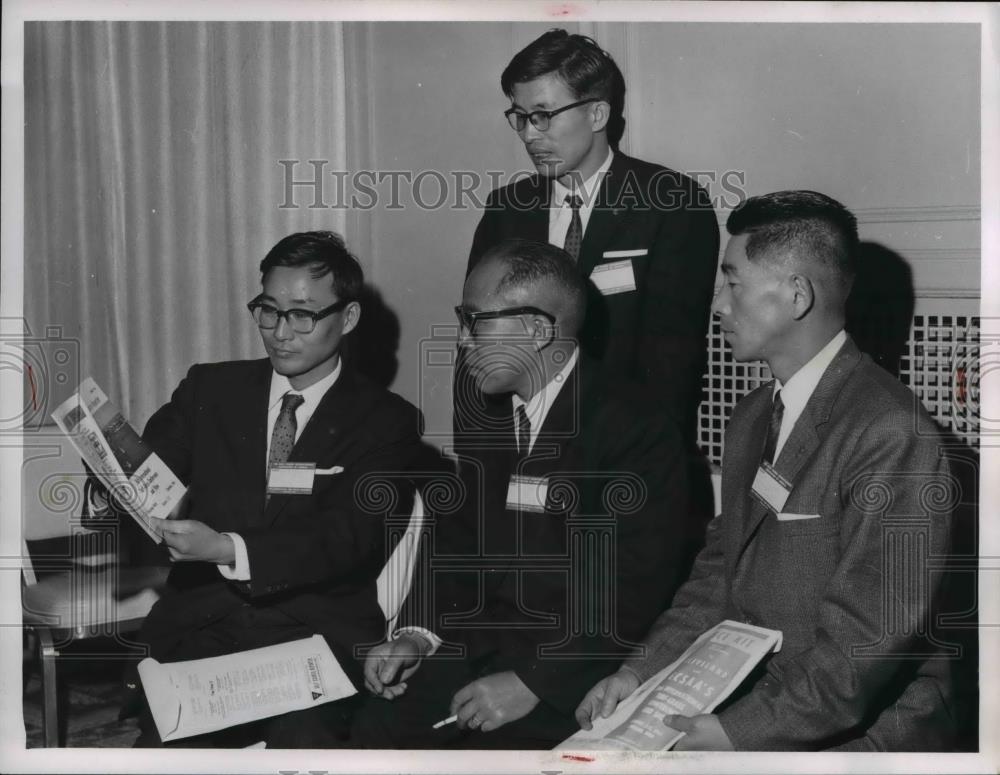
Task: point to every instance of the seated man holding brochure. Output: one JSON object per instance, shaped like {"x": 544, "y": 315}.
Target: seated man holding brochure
{"x": 569, "y": 541}
{"x": 834, "y": 496}
{"x": 276, "y": 544}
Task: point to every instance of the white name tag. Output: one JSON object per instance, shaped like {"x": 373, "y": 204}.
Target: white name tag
{"x": 616, "y": 277}
{"x": 771, "y": 488}
{"x": 625, "y": 253}
{"x": 291, "y": 479}
{"x": 527, "y": 493}
{"x": 788, "y": 516}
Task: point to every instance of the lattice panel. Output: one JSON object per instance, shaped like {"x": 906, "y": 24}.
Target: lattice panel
{"x": 940, "y": 365}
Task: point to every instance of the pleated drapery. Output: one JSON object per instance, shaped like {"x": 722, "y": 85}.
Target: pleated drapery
{"x": 153, "y": 186}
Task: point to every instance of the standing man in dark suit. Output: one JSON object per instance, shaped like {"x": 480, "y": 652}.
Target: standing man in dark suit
{"x": 261, "y": 559}
{"x": 570, "y": 536}
{"x": 645, "y": 236}
{"x": 835, "y": 497}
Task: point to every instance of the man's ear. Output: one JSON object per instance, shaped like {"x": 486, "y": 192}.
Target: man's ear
{"x": 352, "y": 314}
{"x": 600, "y": 114}
{"x": 543, "y": 332}
{"x": 803, "y": 295}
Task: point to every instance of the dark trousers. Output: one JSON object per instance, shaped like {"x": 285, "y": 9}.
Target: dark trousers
{"x": 408, "y": 720}
{"x": 249, "y": 627}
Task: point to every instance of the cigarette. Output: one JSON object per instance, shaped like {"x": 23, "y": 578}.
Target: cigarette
{"x": 445, "y": 722}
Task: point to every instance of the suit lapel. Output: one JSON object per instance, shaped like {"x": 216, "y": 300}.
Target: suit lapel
{"x": 534, "y": 221}
{"x": 606, "y": 217}
{"x": 754, "y": 509}
{"x": 243, "y": 416}
{"x": 806, "y": 435}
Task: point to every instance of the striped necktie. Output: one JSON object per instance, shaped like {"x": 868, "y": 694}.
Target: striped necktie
{"x": 523, "y": 432}
{"x": 773, "y": 428}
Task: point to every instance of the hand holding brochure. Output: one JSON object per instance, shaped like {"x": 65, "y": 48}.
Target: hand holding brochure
{"x": 206, "y": 695}
{"x": 125, "y": 464}
{"x": 704, "y": 675}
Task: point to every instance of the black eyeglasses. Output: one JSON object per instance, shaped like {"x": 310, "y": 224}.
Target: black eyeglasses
{"x": 302, "y": 321}
{"x": 467, "y": 319}
{"x": 539, "y": 119}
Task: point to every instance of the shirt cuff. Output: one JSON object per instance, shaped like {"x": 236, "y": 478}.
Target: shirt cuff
{"x": 240, "y": 569}
{"x": 433, "y": 639}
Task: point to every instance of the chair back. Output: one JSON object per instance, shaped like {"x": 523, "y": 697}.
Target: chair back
{"x": 52, "y": 482}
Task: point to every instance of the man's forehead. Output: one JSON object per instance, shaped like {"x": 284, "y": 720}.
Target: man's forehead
{"x": 481, "y": 289}
{"x": 548, "y": 88}
{"x": 736, "y": 252}
{"x": 297, "y": 284}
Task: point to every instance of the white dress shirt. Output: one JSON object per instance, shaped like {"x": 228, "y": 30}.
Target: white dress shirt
{"x": 795, "y": 394}
{"x": 311, "y": 396}
{"x": 560, "y": 213}
{"x": 538, "y": 406}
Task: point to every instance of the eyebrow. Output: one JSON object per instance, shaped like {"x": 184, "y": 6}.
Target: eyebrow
{"x": 536, "y": 106}
{"x": 293, "y": 301}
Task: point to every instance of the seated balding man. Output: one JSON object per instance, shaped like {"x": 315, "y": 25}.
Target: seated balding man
{"x": 570, "y": 536}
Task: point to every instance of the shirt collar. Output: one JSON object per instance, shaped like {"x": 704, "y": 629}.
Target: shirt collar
{"x": 589, "y": 186}
{"x": 795, "y": 393}
{"x": 312, "y": 394}
{"x": 538, "y": 406}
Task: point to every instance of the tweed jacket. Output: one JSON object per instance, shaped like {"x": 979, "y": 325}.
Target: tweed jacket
{"x": 850, "y": 588}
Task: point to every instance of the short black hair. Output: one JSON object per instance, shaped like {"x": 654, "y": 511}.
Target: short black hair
{"x": 811, "y": 224}
{"x": 587, "y": 69}
{"x": 323, "y": 253}
{"x": 529, "y": 263}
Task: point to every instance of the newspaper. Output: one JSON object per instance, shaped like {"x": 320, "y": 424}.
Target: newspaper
{"x": 126, "y": 465}
{"x": 206, "y": 695}
{"x": 696, "y": 683}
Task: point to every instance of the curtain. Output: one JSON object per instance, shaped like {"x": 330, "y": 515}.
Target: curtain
{"x": 154, "y": 186}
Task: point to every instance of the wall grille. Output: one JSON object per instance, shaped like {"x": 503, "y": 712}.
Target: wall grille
{"x": 940, "y": 364}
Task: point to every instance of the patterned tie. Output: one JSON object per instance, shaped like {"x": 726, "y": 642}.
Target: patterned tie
{"x": 523, "y": 433}
{"x": 283, "y": 435}
{"x": 574, "y": 235}
{"x": 773, "y": 428}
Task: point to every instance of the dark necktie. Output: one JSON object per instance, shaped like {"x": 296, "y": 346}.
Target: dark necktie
{"x": 574, "y": 235}
{"x": 773, "y": 428}
{"x": 523, "y": 432}
{"x": 283, "y": 435}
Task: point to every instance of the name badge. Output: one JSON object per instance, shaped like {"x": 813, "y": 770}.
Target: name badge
{"x": 527, "y": 493}
{"x": 771, "y": 488}
{"x": 625, "y": 253}
{"x": 291, "y": 479}
{"x": 787, "y": 516}
{"x": 615, "y": 277}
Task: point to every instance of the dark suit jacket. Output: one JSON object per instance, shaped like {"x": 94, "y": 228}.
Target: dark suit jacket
{"x": 616, "y": 505}
{"x": 314, "y": 558}
{"x": 851, "y": 590}
{"x": 654, "y": 335}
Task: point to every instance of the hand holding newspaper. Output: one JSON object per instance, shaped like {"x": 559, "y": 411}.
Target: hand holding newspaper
{"x": 206, "y": 695}
{"x": 704, "y": 675}
{"x": 118, "y": 456}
